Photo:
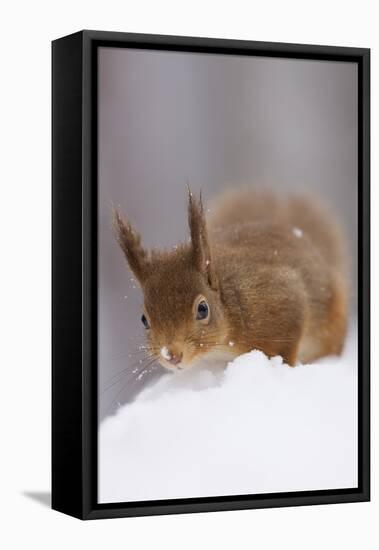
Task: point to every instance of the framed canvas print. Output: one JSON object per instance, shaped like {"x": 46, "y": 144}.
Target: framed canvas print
{"x": 210, "y": 274}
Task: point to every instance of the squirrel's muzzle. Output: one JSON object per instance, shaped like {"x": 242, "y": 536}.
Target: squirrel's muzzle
{"x": 171, "y": 355}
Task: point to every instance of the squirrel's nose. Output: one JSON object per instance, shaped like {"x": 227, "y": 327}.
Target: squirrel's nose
{"x": 175, "y": 358}
{"x": 171, "y": 355}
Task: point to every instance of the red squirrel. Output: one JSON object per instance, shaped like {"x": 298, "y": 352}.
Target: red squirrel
{"x": 260, "y": 271}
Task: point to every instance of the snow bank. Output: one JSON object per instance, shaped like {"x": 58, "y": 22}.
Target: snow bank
{"x": 260, "y": 426}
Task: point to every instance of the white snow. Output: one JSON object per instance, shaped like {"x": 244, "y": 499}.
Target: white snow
{"x": 165, "y": 353}
{"x": 297, "y": 232}
{"x": 259, "y": 426}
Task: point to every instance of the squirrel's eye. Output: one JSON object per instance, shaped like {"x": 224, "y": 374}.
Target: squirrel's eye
{"x": 202, "y": 310}
{"x": 145, "y": 322}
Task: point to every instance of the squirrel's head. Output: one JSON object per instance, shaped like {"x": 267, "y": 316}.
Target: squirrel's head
{"x": 182, "y": 310}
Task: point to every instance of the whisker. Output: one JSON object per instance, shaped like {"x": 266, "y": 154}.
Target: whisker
{"x": 129, "y": 353}
{"x": 118, "y": 394}
{"x": 129, "y": 368}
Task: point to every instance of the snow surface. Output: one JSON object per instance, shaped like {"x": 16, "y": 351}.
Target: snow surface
{"x": 165, "y": 353}
{"x": 258, "y": 426}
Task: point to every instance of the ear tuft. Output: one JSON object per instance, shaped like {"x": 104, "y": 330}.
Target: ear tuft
{"x": 130, "y": 243}
{"x": 201, "y": 252}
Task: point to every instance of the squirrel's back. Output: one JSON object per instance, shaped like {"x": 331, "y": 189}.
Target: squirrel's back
{"x": 284, "y": 258}
{"x": 302, "y": 212}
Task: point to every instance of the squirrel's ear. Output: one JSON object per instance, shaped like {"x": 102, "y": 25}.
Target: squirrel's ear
{"x": 130, "y": 243}
{"x": 199, "y": 238}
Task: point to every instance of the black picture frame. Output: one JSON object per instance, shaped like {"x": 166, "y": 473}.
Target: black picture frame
{"x": 74, "y": 295}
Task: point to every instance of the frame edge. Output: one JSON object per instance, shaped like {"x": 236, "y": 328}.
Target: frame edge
{"x": 67, "y": 386}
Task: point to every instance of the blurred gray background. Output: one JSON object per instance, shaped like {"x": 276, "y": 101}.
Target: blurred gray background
{"x": 167, "y": 119}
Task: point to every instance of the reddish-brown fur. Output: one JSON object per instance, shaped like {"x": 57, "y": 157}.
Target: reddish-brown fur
{"x": 271, "y": 269}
